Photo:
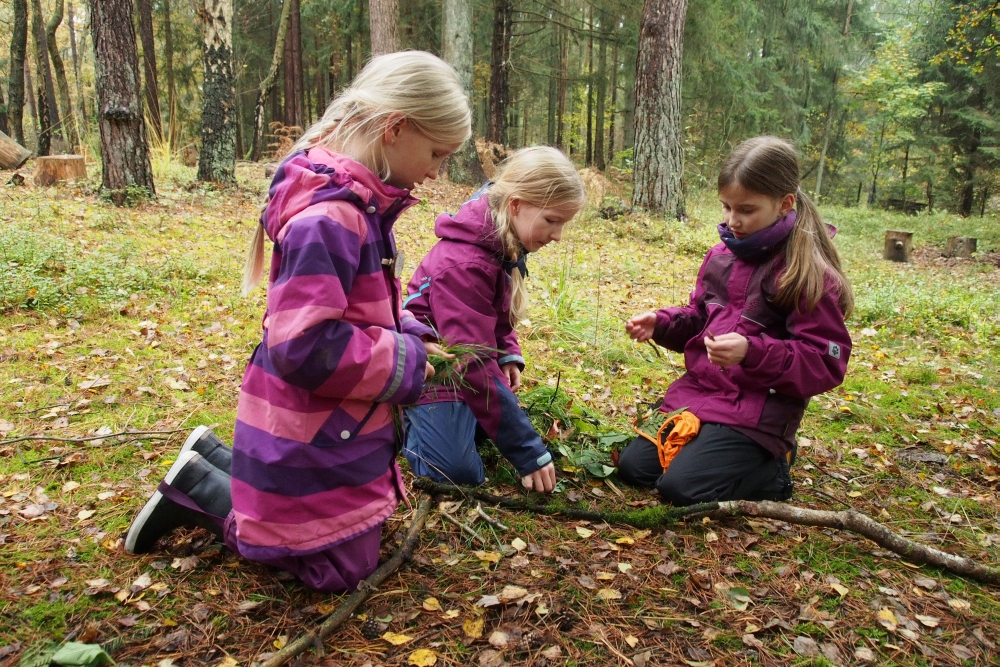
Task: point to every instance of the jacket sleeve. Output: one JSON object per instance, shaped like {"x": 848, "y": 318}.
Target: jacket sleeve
{"x": 510, "y": 349}
{"x": 309, "y": 344}
{"x": 676, "y": 326}
{"x": 462, "y": 304}
{"x": 812, "y": 360}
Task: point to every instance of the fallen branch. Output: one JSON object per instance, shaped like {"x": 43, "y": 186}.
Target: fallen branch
{"x": 862, "y": 524}
{"x": 354, "y": 600}
{"x": 652, "y": 517}
{"x": 465, "y": 528}
{"x": 23, "y": 438}
{"x": 490, "y": 520}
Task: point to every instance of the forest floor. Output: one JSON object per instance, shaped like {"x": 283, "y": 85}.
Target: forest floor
{"x": 131, "y": 319}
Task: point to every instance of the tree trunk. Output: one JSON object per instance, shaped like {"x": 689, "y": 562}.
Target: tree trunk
{"x": 168, "y": 56}
{"x": 267, "y": 85}
{"x": 12, "y": 154}
{"x": 589, "y": 159}
{"x": 553, "y": 80}
{"x": 15, "y": 85}
{"x": 830, "y": 108}
{"x": 4, "y": 127}
{"x": 48, "y": 115}
{"x": 124, "y": 152}
{"x": 293, "y": 68}
{"x": 602, "y": 91}
{"x": 59, "y": 69}
{"x": 500, "y": 66}
{"x": 659, "y": 154}
{"x": 614, "y": 99}
{"x": 456, "y": 43}
{"x": 29, "y": 87}
{"x": 217, "y": 161}
{"x": 150, "y": 89}
{"x": 563, "y": 75}
{"x": 80, "y": 101}
{"x": 384, "y": 20}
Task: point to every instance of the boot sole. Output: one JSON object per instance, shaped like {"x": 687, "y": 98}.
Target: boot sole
{"x": 193, "y": 439}
{"x": 140, "y": 521}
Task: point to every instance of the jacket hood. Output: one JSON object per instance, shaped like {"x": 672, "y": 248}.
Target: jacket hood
{"x": 472, "y": 224}
{"x": 309, "y": 177}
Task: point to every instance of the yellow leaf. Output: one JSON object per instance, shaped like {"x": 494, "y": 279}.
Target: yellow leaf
{"x": 843, "y": 590}
{"x": 887, "y": 618}
{"x": 710, "y": 536}
{"x": 396, "y": 639}
{"x": 624, "y": 567}
{"x": 642, "y": 534}
{"x": 625, "y": 540}
{"x": 518, "y": 544}
{"x": 473, "y": 627}
{"x": 324, "y": 608}
{"x": 960, "y": 605}
{"x": 511, "y": 593}
{"x": 280, "y": 642}
{"x": 488, "y": 556}
{"x": 631, "y": 640}
{"x": 228, "y": 661}
{"x": 609, "y": 594}
{"x": 452, "y": 613}
{"x": 584, "y": 532}
{"x": 422, "y": 657}
{"x": 854, "y": 494}
{"x": 432, "y": 604}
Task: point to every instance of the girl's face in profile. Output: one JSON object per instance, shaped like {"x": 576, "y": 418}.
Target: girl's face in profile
{"x": 411, "y": 155}
{"x": 536, "y": 227}
{"x": 746, "y": 212}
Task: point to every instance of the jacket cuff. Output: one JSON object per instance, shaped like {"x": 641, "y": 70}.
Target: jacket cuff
{"x": 511, "y": 359}
{"x": 407, "y": 379}
{"x": 755, "y": 353}
{"x": 414, "y": 327}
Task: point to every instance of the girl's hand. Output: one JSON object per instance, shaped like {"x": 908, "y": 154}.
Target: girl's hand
{"x": 433, "y": 348}
{"x": 428, "y": 371}
{"x": 513, "y": 374}
{"x": 543, "y": 479}
{"x": 640, "y": 328}
{"x": 726, "y": 350}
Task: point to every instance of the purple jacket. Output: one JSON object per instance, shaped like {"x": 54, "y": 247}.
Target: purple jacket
{"x": 462, "y": 290}
{"x": 315, "y": 441}
{"x": 792, "y": 355}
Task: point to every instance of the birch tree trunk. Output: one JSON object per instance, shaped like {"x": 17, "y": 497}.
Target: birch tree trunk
{"x": 500, "y": 66}
{"x": 383, "y": 16}
{"x": 59, "y": 69}
{"x": 15, "y": 82}
{"x": 267, "y": 85}
{"x": 150, "y": 89}
{"x": 456, "y": 29}
{"x": 124, "y": 152}
{"x": 659, "y": 156}
{"x": 217, "y": 160}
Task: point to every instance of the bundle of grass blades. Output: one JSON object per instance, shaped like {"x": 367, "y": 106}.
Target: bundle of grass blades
{"x": 652, "y": 420}
{"x": 450, "y": 371}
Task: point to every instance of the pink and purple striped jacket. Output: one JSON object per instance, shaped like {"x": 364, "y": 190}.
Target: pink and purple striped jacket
{"x": 315, "y": 442}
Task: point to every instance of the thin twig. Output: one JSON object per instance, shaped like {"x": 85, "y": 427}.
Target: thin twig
{"x": 353, "y": 601}
{"x": 488, "y": 519}
{"x": 78, "y": 440}
{"x": 465, "y": 527}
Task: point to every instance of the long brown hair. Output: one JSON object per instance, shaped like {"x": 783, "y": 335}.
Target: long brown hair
{"x": 769, "y": 166}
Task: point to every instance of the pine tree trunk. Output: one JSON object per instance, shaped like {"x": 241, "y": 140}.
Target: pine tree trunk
{"x": 293, "y": 68}
{"x": 150, "y": 88}
{"x": 553, "y": 80}
{"x": 829, "y": 110}
{"x": 590, "y": 90}
{"x": 29, "y": 88}
{"x": 614, "y": 100}
{"x": 296, "y": 27}
{"x": 500, "y": 66}
{"x": 384, "y": 18}
{"x": 602, "y": 91}
{"x": 80, "y": 100}
{"x": 456, "y": 42}
{"x": 124, "y": 151}
{"x": 563, "y": 76}
{"x": 59, "y": 69}
{"x": 659, "y": 155}
{"x": 267, "y": 85}
{"x": 4, "y": 127}
{"x": 168, "y": 56}
{"x": 48, "y": 115}
{"x": 15, "y": 85}
{"x": 217, "y": 160}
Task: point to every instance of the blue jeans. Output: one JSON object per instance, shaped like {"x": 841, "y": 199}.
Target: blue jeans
{"x": 442, "y": 441}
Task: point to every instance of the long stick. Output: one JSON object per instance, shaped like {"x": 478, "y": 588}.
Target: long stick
{"x": 365, "y": 588}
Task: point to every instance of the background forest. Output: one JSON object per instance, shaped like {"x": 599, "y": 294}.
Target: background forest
{"x": 891, "y": 103}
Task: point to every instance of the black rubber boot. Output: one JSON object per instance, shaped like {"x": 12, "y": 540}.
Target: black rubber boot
{"x": 193, "y": 477}
{"x": 780, "y": 487}
{"x": 206, "y": 443}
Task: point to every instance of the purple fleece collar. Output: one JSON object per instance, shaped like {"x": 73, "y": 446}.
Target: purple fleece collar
{"x": 760, "y": 244}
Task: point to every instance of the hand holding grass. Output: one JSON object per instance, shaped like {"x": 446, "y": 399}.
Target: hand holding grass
{"x": 435, "y": 349}
{"x": 640, "y": 327}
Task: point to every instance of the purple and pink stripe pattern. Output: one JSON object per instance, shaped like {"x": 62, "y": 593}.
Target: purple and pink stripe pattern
{"x": 315, "y": 441}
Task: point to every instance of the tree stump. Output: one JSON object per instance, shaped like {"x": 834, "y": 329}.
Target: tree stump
{"x": 54, "y": 168}
{"x": 960, "y": 246}
{"x": 12, "y": 154}
{"x": 898, "y": 246}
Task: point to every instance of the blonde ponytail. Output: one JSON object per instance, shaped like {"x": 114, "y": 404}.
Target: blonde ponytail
{"x": 254, "y": 267}
{"x": 539, "y": 176}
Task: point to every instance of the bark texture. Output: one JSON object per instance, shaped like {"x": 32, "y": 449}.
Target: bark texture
{"x": 659, "y": 155}
{"x": 168, "y": 57}
{"x": 217, "y": 161}
{"x": 59, "y": 71}
{"x": 124, "y": 152}
{"x": 383, "y": 16}
{"x": 267, "y": 85}
{"x": 150, "y": 88}
{"x": 48, "y": 112}
{"x": 80, "y": 100}
{"x": 500, "y": 66}
{"x": 15, "y": 82}
{"x": 294, "y": 112}
{"x": 463, "y": 166}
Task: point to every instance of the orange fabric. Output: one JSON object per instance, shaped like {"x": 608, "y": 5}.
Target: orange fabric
{"x": 680, "y": 430}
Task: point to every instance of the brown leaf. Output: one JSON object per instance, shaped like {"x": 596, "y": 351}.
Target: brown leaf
{"x": 806, "y": 646}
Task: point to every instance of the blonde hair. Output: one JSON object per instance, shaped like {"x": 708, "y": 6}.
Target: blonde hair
{"x": 539, "y": 176}
{"x": 418, "y": 85}
{"x": 769, "y": 166}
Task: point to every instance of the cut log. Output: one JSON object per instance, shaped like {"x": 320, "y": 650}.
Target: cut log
{"x": 898, "y": 246}
{"x": 12, "y": 154}
{"x": 54, "y": 168}
{"x": 960, "y": 246}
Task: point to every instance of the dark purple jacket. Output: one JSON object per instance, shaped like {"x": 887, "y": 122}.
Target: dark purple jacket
{"x": 462, "y": 290}
{"x": 792, "y": 355}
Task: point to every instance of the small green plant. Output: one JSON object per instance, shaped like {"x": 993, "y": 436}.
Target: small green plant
{"x": 449, "y": 371}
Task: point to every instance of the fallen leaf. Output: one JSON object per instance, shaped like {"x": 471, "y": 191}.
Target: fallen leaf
{"x": 631, "y": 640}
{"x": 228, "y": 661}
{"x": 499, "y": 639}
{"x": 928, "y": 621}
{"x": 396, "y": 639}
{"x": 587, "y": 582}
{"x": 518, "y": 544}
{"x": 432, "y": 604}
{"x": 70, "y": 486}
{"x": 841, "y": 589}
{"x": 925, "y": 582}
{"x": 887, "y": 618}
{"x": 83, "y": 515}
{"x": 552, "y": 652}
{"x": 710, "y": 536}
{"x": 488, "y": 601}
{"x": 488, "y": 556}
{"x": 668, "y": 568}
{"x": 962, "y": 652}
{"x": 584, "y": 532}
{"x": 511, "y": 593}
{"x": 806, "y": 646}
{"x": 473, "y": 627}
{"x": 624, "y": 567}
{"x": 959, "y": 605}
{"x": 750, "y": 640}
{"x": 864, "y": 654}
{"x": 609, "y": 594}
{"x": 422, "y": 657}
{"x": 625, "y": 540}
